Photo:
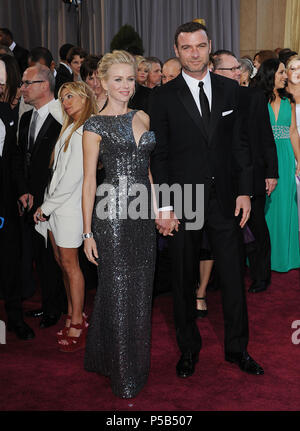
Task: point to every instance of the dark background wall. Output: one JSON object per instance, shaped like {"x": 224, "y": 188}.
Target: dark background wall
{"x": 51, "y": 23}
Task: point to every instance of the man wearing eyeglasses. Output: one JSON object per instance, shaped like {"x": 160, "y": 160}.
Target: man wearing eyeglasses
{"x": 38, "y": 133}
{"x": 265, "y": 168}
{"x": 226, "y": 64}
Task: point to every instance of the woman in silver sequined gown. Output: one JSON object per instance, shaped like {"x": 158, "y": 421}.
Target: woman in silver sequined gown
{"x": 118, "y": 341}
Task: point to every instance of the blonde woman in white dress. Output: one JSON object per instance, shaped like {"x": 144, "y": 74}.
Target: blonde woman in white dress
{"x": 61, "y": 211}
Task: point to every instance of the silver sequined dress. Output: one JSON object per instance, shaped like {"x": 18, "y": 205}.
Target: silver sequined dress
{"x": 118, "y": 341}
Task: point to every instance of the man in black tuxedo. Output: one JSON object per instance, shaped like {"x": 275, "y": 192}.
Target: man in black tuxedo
{"x": 199, "y": 141}
{"x": 64, "y": 71}
{"x": 10, "y": 283}
{"x": 265, "y": 168}
{"x": 38, "y": 133}
{"x": 21, "y": 54}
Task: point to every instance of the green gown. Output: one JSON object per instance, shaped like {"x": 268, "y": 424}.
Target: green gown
{"x": 281, "y": 207}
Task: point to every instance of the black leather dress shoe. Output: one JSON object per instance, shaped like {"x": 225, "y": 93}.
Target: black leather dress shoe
{"x": 245, "y": 362}
{"x": 22, "y": 330}
{"x": 34, "y": 313}
{"x": 258, "y": 286}
{"x": 186, "y": 364}
{"x": 49, "y": 320}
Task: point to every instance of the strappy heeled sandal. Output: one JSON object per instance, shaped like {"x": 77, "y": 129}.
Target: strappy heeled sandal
{"x": 64, "y": 332}
{"x": 201, "y": 313}
{"x": 72, "y": 344}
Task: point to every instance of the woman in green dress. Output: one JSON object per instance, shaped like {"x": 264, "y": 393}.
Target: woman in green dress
{"x": 281, "y": 207}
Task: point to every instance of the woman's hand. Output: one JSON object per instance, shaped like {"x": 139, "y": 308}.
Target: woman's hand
{"x": 90, "y": 249}
{"x": 38, "y": 215}
{"x": 166, "y": 222}
{"x": 298, "y": 169}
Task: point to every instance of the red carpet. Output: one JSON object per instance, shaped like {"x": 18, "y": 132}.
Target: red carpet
{"x": 34, "y": 375}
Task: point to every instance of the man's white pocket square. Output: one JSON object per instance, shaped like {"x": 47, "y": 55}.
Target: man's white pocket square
{"x": 226, "y": 113}
{"x": 11, "y": 123}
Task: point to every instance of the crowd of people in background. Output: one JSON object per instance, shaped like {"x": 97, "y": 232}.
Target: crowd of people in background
{"x": 48, "y": 110}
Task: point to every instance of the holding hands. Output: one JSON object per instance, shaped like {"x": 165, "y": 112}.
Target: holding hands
{"x": 166, "y": 222}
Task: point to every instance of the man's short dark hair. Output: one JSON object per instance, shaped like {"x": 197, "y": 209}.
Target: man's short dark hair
{"x": 189, "y": 27}
{"x": 75, "y": 50}
{"x": 285, "y": 54}
{"x": 45, "y": 74}
{"x": 224, "y": 52}
{"x": 217, "y": 57}
{"x": 64, "y": 49}
{"x": 154, "y": 60}
{"x": 7, "y": 32}
{"x": 41, "y": 52}
{"x": 89, "y": 66}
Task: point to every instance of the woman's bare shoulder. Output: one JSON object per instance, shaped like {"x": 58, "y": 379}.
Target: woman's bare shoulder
{"x": 144, "y": 118}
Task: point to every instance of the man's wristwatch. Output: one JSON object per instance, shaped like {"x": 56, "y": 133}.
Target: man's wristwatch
{"x": 87, "y": 235}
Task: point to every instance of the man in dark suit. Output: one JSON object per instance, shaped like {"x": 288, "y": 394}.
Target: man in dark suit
{"x": 41, "y": 55}
{"x": 199, "y": 141}
{"x": 171, "y": 68}
{"x": 10, "y": 283}
{"x": 154, "y": 74}
{"x": 21, "y": 54}
{"x": 265, "y": 168}
{"x": 38, "y": 133}
{"x": 64, "y": 71}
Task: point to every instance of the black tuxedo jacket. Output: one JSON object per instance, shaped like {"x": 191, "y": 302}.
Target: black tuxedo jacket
{"x": 140, "y": 99}
{"x": 186, "y": 154}
{"x": 63, "y": 75}
{"x": 261, "y": 139}
{"x": 21, "y": 55}
{"x": 8, "y": 192}
{"x": 34, "y": 179}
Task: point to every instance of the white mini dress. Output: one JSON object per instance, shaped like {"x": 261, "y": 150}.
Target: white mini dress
{"x": 62, "y": 199}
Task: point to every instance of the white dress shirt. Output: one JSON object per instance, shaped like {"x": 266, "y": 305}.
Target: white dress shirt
{"x": 43, "y": 113}
{"x": 193, "y": 85}
{"x": 12, "y": 46}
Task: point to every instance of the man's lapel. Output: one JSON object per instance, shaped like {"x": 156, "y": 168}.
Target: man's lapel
{"x": 188, "y": 101}
{"x": 23, "y": 132}
{"x": 42, "y": 133}
{"x": 216, "y": 105}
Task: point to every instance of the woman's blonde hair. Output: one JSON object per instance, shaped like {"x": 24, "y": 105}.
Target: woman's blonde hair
{"x": 142, "y": 60}
{"x": 81, "y": 89}
{"x": 115, "y": 57}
